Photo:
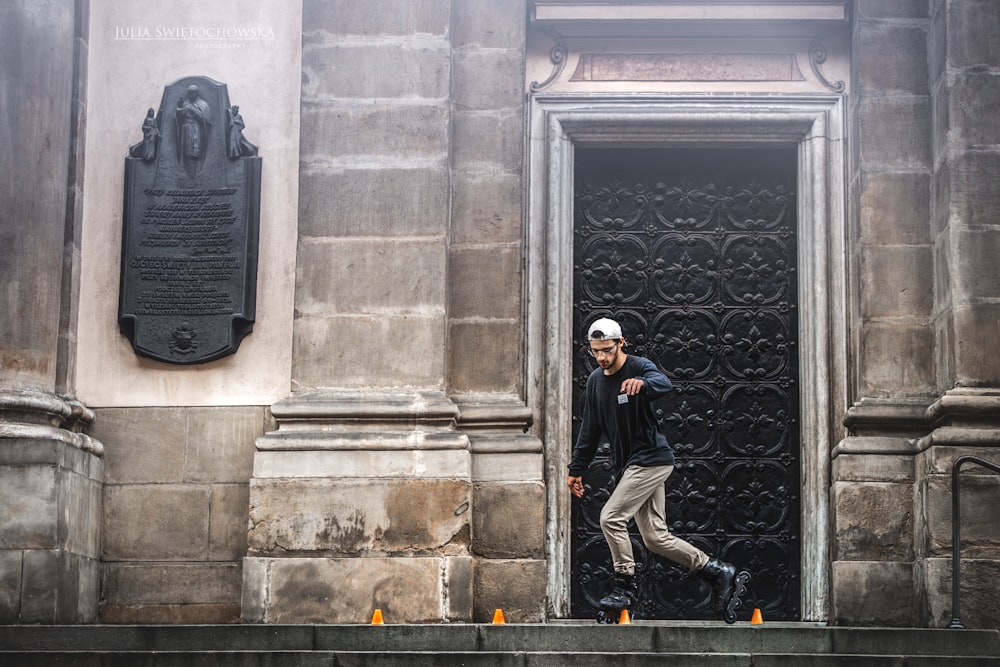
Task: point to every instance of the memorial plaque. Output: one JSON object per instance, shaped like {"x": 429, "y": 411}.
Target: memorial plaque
{"x": 190, "y": 228}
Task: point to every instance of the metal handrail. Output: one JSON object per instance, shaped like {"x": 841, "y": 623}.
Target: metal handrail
{"x": 956, "y": 532}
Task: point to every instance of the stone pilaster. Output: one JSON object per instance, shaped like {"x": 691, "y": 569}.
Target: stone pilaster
{"x": 50, "y": 510}
{"x": 508, "y": 499}
{"x": 966, "y": 423}
{"x": 360, "y": 501}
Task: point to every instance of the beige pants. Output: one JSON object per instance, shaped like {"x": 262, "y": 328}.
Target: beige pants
{"x": 640, "y": 494}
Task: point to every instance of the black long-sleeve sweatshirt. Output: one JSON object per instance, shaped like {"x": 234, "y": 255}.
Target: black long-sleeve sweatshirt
{"x": 629, "y": 422}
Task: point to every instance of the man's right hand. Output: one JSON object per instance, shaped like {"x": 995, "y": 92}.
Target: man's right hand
{"x": 575, "y": 485}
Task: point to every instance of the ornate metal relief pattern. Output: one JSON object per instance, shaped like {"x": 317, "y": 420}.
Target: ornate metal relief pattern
{"x": 701, "y": 272}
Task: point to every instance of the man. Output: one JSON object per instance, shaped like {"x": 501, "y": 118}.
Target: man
{"x": 193, "y": 117}
{"x": 619, "y": 403}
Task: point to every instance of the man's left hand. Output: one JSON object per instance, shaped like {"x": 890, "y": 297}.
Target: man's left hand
{"x": 632, "y": 386}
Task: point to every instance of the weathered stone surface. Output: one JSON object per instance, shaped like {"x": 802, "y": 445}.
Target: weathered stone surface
{"x": 324, "y": 265}
{"x": 892, "y": 59}
{"x": 142, "y": 445}
{"x": 873, "y": 468}
{"x": 488, "y": 24}
{"x": 885, "y": 370}
{"x": 516, "y": 586}
{"x": 509, "y": 520}
{"x": 482, "y": 356}
{"x": 976, "y": 361}
{"x": 29, "y": 507}
{"x": 37, "y": 47}
{"x": 178, "y": 444}
{"x": 459, "y": 574}
{"x": 894, "y": 209}
{"x": 894, "y": 132}
{"x": 164, "y": 583}
{"x": 487, "y": 467}
{"x": 977, "y": 276}
{"x": 873, "y": 521}
{"x": 156, "y": 522}
{"x": 485, "y": 281}
{"x": 347, "y": 590}
{"x": 394, "y": 130}
{"x": 939, "y": 460}
{"x": 82, "y": 515}
{"x": 890, "y": 9}
{"x": 482, "y": 79}
{"x": 872, "y": 593}
{"x": 980, "y": 531}
{"x": 970, "y": 202}
{"x": 172, "y": 614}
{"x": 352, "y": 516}
{"x": 219, "y": 443}
{"x": 11, "y": 565}
{"x": 486, "y": 208}
{"x": 978, "y": 601}
{"x": 227, "y": 522}
{"x": 396, "y": 17}
{"x": 412, "y": 67}
{"x": 382, "y": 202}
{"x": 972, "y": 27}
{"x": 488, "y": 140}
{"x": 971, "y": 99}
{"x": 58, "y": 587}
{"x": 341, "y": 463}
{"x": 255, "y": 589}
{"x": 899, "y": 279}
{"x": 405, "y": 350}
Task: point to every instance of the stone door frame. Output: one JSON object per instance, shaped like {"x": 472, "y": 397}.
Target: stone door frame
{"x": 557, "y": 124}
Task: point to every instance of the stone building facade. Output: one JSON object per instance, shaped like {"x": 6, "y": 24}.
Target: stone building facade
{"x": 394, "y": 432}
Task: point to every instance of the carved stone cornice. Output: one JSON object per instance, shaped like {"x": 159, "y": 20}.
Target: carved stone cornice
{"x": 35, "y": 415}
{"x": 887, "y": 415}
{"x": 960, "y": 417}
{"x": 489, "y": 412}
{"x": 717, "y": 17}
{"x": 352, "y": 420}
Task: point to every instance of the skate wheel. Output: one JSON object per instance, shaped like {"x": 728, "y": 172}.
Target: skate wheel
{"x": 606, "y": 618}
{"x": 739, "y": 588}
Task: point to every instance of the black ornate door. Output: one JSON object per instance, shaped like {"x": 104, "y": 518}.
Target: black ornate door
{"x": 693, "y": 251}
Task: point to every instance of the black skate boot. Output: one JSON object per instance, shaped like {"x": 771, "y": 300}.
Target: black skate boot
{"x": 623, "y": 595}
{"x": 727, "y": 585}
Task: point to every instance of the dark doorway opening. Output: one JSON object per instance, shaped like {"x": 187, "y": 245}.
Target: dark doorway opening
{"x": 694, "y": 252}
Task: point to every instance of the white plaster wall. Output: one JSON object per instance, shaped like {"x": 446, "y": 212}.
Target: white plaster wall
{"x": 136, "y": 49}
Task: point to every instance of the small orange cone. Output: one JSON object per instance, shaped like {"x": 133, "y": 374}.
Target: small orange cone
{"x": 757, "y": 618}
{"x": 377, "y": 618}
{"x": 498, "y": 618}
{"x": 624, "y": 618}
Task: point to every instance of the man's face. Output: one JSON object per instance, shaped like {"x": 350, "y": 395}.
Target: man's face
{"x": 606, "y": 352}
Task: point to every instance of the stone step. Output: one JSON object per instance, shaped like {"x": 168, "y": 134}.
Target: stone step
{"x": 475, "y": 659}
{"x": 557, "y": 643}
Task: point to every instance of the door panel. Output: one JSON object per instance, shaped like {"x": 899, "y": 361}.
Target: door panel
{"x": 693, "y": 251}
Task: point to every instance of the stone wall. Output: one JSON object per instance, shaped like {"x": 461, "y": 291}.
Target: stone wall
{"x": 892, "y": 295}
{"x": 400, "y": 467}
{"x": 50, "y": 473}
{"x": 405, "y": 427}
{"x": 175, "y": 512}
{"x": 965, "y": 231}
{"x": 923, "y": 175}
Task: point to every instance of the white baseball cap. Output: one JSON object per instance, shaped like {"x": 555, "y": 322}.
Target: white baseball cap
{"x": 604, "y": 329}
